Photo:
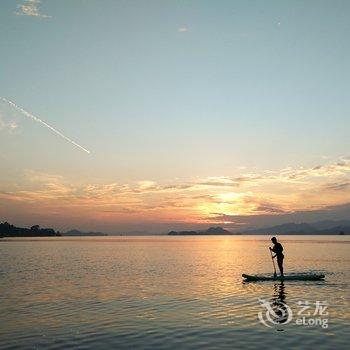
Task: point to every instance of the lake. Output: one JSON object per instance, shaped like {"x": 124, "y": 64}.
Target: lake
{"x": 167, "y": 292}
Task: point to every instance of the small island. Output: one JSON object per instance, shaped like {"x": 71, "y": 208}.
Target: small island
{"x": 210, "y": 231}
{"x": 77, "y": 233}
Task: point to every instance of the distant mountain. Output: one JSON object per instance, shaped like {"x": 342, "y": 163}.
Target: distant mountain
{"x": 76, "y": 233}
{"x": 209, "y": 231}
{"x": 338, "y": 230}
{"x": 216, "y": 231}
{"x": 328, "y": 224}
{"x": 8, "y": 230}
{"x": 328, "y": 227}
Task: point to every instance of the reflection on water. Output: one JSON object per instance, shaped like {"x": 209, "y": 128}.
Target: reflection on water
{"x": 164, "y": 292}
{"x": 279, "y": 304}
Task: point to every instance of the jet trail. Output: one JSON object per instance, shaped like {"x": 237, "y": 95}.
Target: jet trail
{"x": 31, "y": 116}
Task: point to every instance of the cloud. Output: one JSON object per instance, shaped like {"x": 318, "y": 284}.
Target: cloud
{"x": 41, "y": 177}
{"x": 30, "y": 8}
{"x": 266, "y": 208}
{"x": 8, "y": 126}
{"x": 337, "y": 186}
{"x": 333, "y": 169}
{"x": 147, "y": 185}
{"x": 183, "y": 29}
{"x": 235, "y": 200}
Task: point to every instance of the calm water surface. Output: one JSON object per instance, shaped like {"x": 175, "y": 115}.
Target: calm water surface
{"x": 167, "y": 293}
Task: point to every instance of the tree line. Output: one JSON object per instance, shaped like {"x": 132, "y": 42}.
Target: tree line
{"x": 8, "y": 230}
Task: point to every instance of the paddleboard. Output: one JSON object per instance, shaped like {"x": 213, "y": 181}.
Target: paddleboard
{"x": 292, "y": 277}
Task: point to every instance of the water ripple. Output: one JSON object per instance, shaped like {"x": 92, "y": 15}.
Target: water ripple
{"x": 163, "y": 293}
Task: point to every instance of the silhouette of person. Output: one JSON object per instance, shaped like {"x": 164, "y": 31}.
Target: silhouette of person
{"x": 278, "y": 249}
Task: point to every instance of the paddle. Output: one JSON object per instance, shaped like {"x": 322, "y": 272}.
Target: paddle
{"x": 274, "y": 268}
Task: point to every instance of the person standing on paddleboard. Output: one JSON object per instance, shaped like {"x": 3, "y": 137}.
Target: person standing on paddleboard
{"x": 278, "y": 249}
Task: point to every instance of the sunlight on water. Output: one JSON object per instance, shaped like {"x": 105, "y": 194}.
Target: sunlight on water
{"x": 165, "y": 292}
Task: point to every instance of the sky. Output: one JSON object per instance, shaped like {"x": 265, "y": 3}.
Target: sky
{"x": 148, "y": 116}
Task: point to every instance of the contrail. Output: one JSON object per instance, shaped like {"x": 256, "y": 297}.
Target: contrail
{"x": 31, "y": 116}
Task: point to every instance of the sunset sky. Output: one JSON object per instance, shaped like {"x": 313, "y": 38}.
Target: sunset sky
{"x": 195, "y": 113}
